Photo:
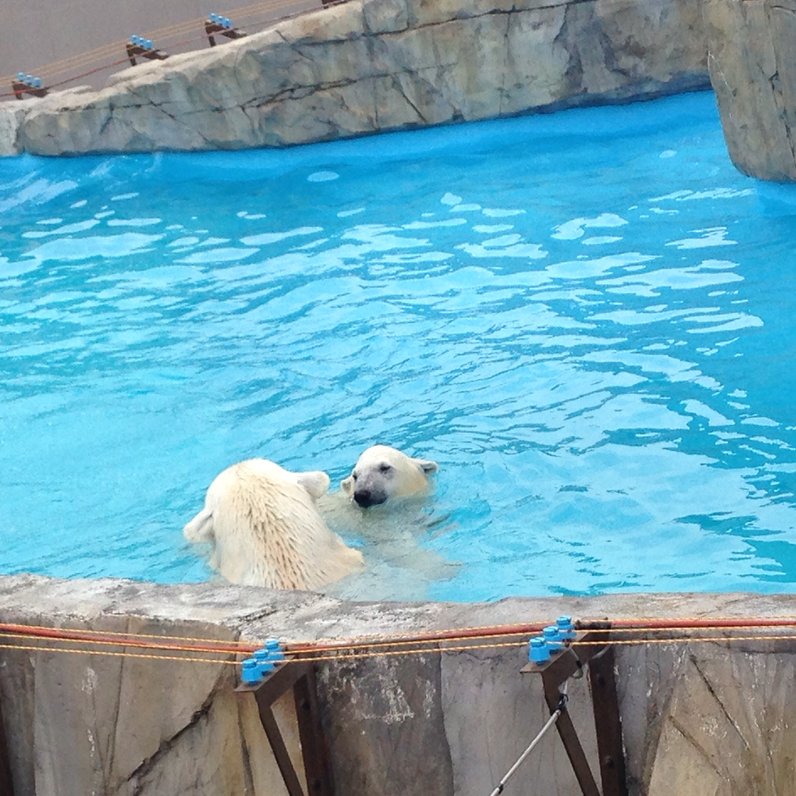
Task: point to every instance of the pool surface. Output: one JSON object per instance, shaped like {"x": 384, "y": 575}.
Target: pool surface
{"x": 586, "y": 318}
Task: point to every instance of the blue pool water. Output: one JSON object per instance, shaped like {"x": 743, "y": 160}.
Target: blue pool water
{"x": 586, "y": 318}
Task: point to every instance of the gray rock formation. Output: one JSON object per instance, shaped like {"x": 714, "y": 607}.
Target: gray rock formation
{"x": 374, "y": 65}
{"x": 754, "y": 76}
{"x": 11, "y": 116}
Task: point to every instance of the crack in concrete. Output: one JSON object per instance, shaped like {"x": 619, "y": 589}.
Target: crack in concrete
{"x": 146, "y": 102}
{"x": 699, "y": 750}
{"x": 147, "y": 765}
{"x": 112, "y": 739}
{"x": 400, "y": 89}
{"x": 502, "y": 91}
{"x": 248, "y": 774}
{"x": 773, "y": 81}
{"x": 714, "y": 693}
{"x": 496, "y": 12}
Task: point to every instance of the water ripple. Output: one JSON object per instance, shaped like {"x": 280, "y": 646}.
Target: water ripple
{"x": 592, "y": 334}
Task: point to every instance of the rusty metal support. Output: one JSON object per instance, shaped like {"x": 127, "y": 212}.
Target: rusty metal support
{"x": 213, "y": 29}
{"x": 20, "y": 89}
{"x": 608, "y": 723}
{"x": 300, "y": 678}
{"x": 599, "y": 660}
{"x": 136, "y": 51}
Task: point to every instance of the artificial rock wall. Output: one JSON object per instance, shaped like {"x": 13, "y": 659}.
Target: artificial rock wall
{"x": 709, "y": 719}
{"x": 753, "y": 73}
{"x": 367, "y": 66}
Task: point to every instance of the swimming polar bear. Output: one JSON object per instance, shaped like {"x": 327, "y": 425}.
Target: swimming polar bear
{"x": 266, "y": 530}
{"x": 382, "y": 473}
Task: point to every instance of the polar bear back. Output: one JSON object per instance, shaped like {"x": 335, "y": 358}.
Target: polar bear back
{"x": 267, "y": 531}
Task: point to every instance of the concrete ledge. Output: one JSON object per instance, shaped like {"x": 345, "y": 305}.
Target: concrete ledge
{"x": 441, "y": 722}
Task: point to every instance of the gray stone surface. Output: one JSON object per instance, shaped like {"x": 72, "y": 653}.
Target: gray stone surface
{"x": 754, "y": 76}
{"x": 375, "y": 65}
{"x": 698, "y": 717}
{"x": 729, "y": 723}
{"x": 11, "y": 116}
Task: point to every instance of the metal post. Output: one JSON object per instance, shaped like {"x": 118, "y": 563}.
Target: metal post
{"x": 607, "y": 723}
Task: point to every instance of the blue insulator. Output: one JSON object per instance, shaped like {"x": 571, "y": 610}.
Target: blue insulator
{"x": 274, "y": 649}
{"x": 21, "y": 77}
{"x": 264, "y": 663}
{"x": 250, "y": 672}
{"x": 538, "y": 651}
{"x": 566, "y": 630}
{"x": 29, "y": 79}
{"x": 550, "y": 635}
{"x": 227, "y": 22}
{"x": 36, "y": 82}
{"x": 215, "y": 18}
{"x": 148, "y": 44}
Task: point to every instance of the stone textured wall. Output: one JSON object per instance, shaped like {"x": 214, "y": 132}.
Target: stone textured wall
{"x": 698, "y": 718}
{"x": 753, "y": 73}
{"x": 373, "y": 65}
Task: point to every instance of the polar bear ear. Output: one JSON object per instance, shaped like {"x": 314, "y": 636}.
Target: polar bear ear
{"x": 315, "y": 482}
{"x": 426, "y": 466}
{"x": 347, "y": 485}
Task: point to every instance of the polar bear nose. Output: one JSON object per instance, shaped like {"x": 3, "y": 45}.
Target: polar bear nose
{"x": 365, "y": 498}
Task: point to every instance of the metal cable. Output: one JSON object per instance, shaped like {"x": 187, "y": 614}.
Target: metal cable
{"x": 531, "y": 746}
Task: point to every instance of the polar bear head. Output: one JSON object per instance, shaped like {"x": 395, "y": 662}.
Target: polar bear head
{"x": 382, "y": 473}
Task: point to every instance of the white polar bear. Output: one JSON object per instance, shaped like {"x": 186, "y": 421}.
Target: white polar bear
{"x": 266, "y": 530}
{"x": 382, "y": 473}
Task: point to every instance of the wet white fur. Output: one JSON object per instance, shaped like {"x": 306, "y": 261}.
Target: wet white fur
{"x": 265, "y": 529}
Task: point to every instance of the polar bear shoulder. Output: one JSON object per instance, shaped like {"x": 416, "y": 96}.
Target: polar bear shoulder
{"x": 265, "y": 529}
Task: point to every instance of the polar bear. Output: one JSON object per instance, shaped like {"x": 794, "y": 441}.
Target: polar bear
{"x": 382, "y": 473}
{"x": 265, "y": 529}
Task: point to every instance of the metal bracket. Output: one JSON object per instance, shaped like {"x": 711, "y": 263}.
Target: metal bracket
{"x": 599, "y": 660}
{"x": 213, "y": 29}
{"x": 300, "y": 677}
{"x": 137, "y": 51}
{"x": 20, "y": 89}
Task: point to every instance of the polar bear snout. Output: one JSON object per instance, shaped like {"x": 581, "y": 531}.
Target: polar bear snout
{"x": 365, "y": 497}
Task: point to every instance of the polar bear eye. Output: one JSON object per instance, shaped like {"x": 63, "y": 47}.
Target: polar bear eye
{"x": 355, "y": 475}
{"x": 385, "y": 468}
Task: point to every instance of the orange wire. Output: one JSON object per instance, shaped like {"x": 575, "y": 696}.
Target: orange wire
{"x": 159, "y": 34}
{"x": 625, "y": 626}
{"x": 394, "y": 653}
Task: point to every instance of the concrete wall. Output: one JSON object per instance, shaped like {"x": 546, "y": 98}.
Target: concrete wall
{"x": 699, "y": 718}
